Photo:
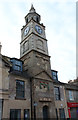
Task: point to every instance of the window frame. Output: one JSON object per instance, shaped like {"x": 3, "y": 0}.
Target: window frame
{"x": 57, "y": 96}
{"x": 54, "y": 75}
{"x": 16, "y": 65}
{"x": 25, "y": 46}
{"x": 71, "y": 96}
{"x": 20, "y": 90}
{"x": 40, "y": 45}
{"x": 13, "y": 114}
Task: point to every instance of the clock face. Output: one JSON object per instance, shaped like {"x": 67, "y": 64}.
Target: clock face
{"x": 38, "y": 29}
{"x": 26, "y": 31}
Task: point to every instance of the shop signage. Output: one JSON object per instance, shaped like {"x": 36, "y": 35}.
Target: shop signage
{"x": 72, "y": 104}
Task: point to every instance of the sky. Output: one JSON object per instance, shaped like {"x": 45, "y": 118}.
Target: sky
{"x": 59, "y": 17}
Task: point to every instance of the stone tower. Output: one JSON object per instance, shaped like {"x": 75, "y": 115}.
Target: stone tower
{"x": 34, "y": 54}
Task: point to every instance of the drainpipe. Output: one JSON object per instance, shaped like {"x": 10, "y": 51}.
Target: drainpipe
{"x": 33, "y": 103}
{"x": 31, "y": 96}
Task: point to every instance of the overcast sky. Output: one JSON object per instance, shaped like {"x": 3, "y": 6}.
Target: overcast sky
{"x": 59, "y": 17}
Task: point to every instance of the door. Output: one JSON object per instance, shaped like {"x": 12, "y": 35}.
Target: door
{"x": 26, "y": 114}
{"x": 62, "y": 113}
{"x": 74, "y": 112}
{"x": 45, "y": 112}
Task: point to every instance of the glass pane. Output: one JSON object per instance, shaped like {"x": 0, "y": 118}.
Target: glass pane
{"x": 17, "y": 62}
{"x": 54, "y": 77}
{"x": 12, "y": 114}
{"x": 57, "y": 93}
{"x": 16, "y": 67}
{"x": 54, "y": 73}
{"x": 56, "y": 90}
{"x": 71, "y": 95}
{"x": 19, "y": 89}
{"x": 18, "y": 114}
{"x": 20, "y": 94}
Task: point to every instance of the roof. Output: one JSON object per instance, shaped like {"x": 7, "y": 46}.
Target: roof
{"x": 21, "y": 74}
{"x": 66, "y": 85}
{"x": 6, "y": 60}
{"x": 8, "y": 63}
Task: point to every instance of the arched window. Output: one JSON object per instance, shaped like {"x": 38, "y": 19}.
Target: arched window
{"x": 40, "y": 44}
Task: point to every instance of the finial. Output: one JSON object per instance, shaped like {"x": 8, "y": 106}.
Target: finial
{"x": 32, "y": 5}
{"x": 32, "y": 9}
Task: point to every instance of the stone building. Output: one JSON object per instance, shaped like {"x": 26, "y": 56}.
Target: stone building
{"x": 71, "y": 92}
{"x": 73, "y": 82}
{"x": 59, "y": 97}
{"x": 26, "y": 85}
{"x": 66, "y": 98}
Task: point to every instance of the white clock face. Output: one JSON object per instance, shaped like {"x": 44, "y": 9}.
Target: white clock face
{"x": 26, "y": 31}
{"x": 38, "y": 29}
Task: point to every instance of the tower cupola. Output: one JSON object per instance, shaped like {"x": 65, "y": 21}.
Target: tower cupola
{"x": 32, "y": 15}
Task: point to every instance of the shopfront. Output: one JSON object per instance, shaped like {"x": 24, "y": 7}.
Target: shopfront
{"x": 72, "y": 110}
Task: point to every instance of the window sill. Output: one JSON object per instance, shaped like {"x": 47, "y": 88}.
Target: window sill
{"x": 71, "y": 100}
{"x": 57, "y": 100}
{"x": 20, "y": 98}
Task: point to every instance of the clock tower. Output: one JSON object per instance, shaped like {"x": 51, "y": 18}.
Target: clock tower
{"x": 33, "y": 46}
{"x": 34, "y": 54}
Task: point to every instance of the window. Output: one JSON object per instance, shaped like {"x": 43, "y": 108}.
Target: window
{"x": 62, "y": 113}
{"x": 25, "y": 47}
{"x": 26, "y": 20}
{"x": 37, "y": 19}
{"x": 71, "y": 95}
{"x": 16, "y": 65}
{"x": 54, "y": 75}
{"x": 57, "y": 93}
{"x": 20, "y": 89}
{"x": 15, "y": 114}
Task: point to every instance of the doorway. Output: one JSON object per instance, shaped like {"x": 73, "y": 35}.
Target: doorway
{"x": 45, "y": 113}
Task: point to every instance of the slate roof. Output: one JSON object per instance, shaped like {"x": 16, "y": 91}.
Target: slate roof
{"x": 6, "y": 60}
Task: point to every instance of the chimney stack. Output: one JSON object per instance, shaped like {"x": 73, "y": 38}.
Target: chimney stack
{"x": 0, "y": 47}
